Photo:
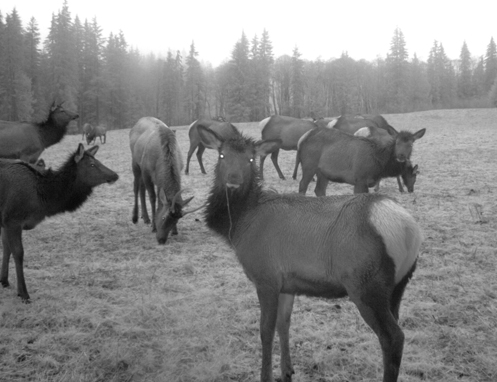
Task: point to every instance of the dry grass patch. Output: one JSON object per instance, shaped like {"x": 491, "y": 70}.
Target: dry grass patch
{"x": 110, "y": 304}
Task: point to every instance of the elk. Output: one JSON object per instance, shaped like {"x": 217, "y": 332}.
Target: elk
{"x": 219, "y": 125}
{"x": 288, "y": 130}
{"x": 331, "y": 154}
{"x": 28, "y": 196}
{"x": 27, "y": 140}
{"x": 156, "y": 162}
{"x": 98, "y": 131}
{"x": 362, "y": 246}
{"x": 87, "y": 129}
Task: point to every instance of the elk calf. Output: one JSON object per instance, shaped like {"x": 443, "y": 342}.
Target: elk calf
{"x": 28, "y": 196}
{"x": 362, "y": 246}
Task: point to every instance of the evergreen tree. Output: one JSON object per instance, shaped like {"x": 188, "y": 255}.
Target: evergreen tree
{"x": 17, "y": 84}
{"x": 490, "y": 65}
{"x": 32, "y": 61}
{"x": 194, "y": 86}
{"x": 62, "y": 56}
{"x": 441, "y": 77}
{"x": 239, "y": 71}
{"x": 297, "y": 84}
{"x": 281, "y": 85}
{"x": 397, "y": 72}
{"x": 464, "y": 83}
{"x": 418, "y": 85}
{"x": 479, "y": 83}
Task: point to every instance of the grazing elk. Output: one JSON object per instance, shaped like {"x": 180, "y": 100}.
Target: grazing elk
{"x": 97, "y": 131}
{"x": 361, "y": 246}
{"x": 28, "y": 196}
{"x": 288, "y": 130}
{"x": 156, "y": 162}
{"x": 87, "y": 129}
{"x": 333, "y": 155}
{"x": 27, "y": 140}
{"x": 223, "y": 128}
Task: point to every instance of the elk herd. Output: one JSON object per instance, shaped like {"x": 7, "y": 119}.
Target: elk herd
{"x": 364, "y": 246}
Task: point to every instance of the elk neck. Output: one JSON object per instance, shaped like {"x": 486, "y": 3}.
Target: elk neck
{"x": 227, "y": 207}
{"x": 61, "y": 191}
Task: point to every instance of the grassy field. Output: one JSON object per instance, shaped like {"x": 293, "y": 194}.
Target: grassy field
{"x": 110, "y": 304}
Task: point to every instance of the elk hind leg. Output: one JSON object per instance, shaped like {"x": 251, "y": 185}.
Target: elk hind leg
{"x": 4, "y": 275}
{"x": 374, "y": 306}
{"x": 274, "y": 158}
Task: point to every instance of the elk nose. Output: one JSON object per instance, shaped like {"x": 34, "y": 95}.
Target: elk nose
{"x": 161, "y": 241}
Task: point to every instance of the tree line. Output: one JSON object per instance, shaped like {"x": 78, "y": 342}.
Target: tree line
{"x": 109, "y": 83}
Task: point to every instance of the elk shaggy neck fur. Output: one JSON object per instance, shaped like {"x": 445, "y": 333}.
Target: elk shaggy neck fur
{"x": 169, "y": 170}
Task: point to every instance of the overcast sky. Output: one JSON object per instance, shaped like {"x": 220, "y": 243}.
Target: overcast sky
{"x": 318, "y": 28}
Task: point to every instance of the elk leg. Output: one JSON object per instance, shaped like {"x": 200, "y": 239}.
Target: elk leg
{"x": 321, "y": 184}
{"x": 4, "y": 276}
{"x": 153, "y": 199}
{"x": 200, "y": 152}
{"x": 136, "y": 191}
{"x": 268, "y": 300}
{"x": 174, "y": 230}
{"x": 398, "y": 292}
{"x": 188, "y": 157}
{"x": 306, "y": 179}
{"x": 377, "y": 186}
{"x": 297, "y": 162}
{"x": 375, "y": 309}
{"x": 285, "y": 307}
{"x": 401, "y": 189}
{"x": 14, "y": 238}
{"x": 274, "y": 158}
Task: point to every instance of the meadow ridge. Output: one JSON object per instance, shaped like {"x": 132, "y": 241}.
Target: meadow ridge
{"x": 110, "y": 304}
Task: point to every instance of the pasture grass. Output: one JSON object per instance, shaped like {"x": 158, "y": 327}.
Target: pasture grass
{"x": 110, "y": 304}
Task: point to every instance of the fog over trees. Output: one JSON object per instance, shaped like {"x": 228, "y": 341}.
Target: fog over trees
{"x": 108, "y": 82}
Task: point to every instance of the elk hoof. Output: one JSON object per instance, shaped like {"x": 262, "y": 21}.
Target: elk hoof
{"x": 5, "y": 284}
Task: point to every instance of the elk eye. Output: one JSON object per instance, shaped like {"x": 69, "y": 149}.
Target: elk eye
{"x": 251, "y": 160}
{"x": 221, "y": 156}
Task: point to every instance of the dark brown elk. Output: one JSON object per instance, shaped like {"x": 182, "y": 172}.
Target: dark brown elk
{"x": 28, "y": 196}
{"x": 223, "y": 128}
{"x": 87, "y": 129}
{"x": 27, "y": 140}
{"x": 350, "y": 124}
{"x": 333, "y": 155}
{"x": 361, "y": 246}
{"x": 288, "y": 130}
{"x": 156, "y": 163}
{"x": 98, "y": 131}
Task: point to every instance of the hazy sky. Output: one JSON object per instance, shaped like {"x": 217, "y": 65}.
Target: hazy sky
{"x": 318, "y": 28}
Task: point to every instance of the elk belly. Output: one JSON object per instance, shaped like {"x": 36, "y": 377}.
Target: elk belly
{"x": 400, "y": 233}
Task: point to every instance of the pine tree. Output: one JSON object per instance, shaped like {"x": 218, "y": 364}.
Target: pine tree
{"x": 17, "y": 84}
{"x": 464, "y": 85}
{"x": 397, "y": 72}
{"x": 32, "y": 61}
{"x": 297, "y": 84}
{"x": 62, "y": 57}
{"x": 239, "y": 71}
{"x": 478, "y": 82}
{"x": 490, "y": 65}
{"x": 194, "y": 86}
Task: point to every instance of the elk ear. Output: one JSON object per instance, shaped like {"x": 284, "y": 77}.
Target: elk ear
{"x": 419, "y": 134}
{"x": 263, "y": 148}
{"x": 415, "y": 170}
{"x": 92, "y": 151}
{"x": 80, "y": 152}
{"x": 185, "y": 202}
{"x": 209, "y": 138}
